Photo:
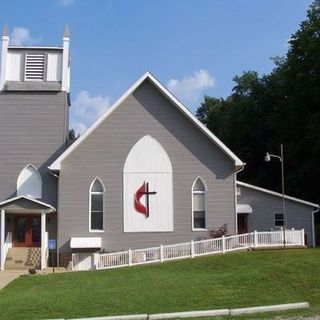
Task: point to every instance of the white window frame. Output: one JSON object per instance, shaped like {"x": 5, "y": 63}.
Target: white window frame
{"x": 103, "y": 205}
{"x": 205, "y": 204}
{"x": 274, "y": 220}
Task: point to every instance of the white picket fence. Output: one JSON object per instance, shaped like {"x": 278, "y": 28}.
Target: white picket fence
{"x": 195, "y": 249}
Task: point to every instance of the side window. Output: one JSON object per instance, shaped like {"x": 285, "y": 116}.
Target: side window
{"x": 199, "y": 205}
{"x": 96, "y": 206}
{"x": 278, "y": 220}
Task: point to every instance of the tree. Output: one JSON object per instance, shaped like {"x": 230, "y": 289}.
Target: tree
{"x": 280, "y": 107}
{"x": 72, "y": 137}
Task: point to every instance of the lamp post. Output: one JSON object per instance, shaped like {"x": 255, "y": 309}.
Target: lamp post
{"x": 267, "y": 158}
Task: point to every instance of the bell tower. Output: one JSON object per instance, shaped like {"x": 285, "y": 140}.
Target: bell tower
{"x": 34, "y": 111}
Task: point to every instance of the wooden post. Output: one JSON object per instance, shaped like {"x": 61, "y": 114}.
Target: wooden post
{"x": 302, "y": 237}
{"x": 130, "y": 257}
{"x": 2, "y": 239}
{"x": 256, "y": 239}
{"x": 43, "y": 241}
{"x": 96, "y": 259}
{"x": 223, "y": 245}
{"x": 192, "y": 248}
{"x": 161, "y": 253}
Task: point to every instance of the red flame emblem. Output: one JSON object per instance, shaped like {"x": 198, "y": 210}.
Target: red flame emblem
{"x": 137, "y": 204}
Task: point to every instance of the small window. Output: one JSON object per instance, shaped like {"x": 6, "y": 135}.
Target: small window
{"x": 238, "y": 191}
{"x": 278, "y": 220}
{"x": 199, "y": 205}
{"x": 96, "y": 206}
{"x": 29, "y": 182}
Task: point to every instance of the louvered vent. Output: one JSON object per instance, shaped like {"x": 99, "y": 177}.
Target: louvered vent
{"x": 34, "y": 69}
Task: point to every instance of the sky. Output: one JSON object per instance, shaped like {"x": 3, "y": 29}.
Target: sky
{"x": 194, "y": 47}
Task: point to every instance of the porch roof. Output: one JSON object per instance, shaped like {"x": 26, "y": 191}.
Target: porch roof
{"x": 25, "y": 205}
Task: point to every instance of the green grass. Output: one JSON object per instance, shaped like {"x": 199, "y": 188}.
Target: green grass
{"x": 221, "y": 281}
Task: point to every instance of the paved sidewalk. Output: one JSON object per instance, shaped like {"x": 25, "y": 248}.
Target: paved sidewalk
{"x": 7, "y": 276}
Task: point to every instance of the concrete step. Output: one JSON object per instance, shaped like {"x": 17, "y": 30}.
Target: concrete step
{"x": 23, "y": 258}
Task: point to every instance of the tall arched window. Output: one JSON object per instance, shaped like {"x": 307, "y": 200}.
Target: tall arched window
{"x": 29, "y": 182}
{"x": 199, "y": 205}
{"x": 96, "y": 206}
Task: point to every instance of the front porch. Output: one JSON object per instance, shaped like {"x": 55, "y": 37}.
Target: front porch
{"x": 23, "y": 228}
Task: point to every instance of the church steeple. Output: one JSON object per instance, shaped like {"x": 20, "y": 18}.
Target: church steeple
{"x": 35, "y": 68}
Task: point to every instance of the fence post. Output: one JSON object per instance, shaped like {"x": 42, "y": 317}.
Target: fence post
{"x": 255, "y": 239}
{"x": 192, "y": 248}
{"x": 302, "y": 237}
{"x": 130, "y": 257}
{"x": 96, "y": 256}
{"x": 223, "y": 244}
{"x": 73, "y": 263}
{"x": 161, "y": 253}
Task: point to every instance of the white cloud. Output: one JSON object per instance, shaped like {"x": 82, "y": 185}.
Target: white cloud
{"x": 67, "y": 3}
{"x": 85, "y": 109}
{"x": 190, "y": 88}
{"x": 21, "y": 36}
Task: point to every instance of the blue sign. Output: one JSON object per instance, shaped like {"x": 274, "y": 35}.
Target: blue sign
{"x": 52, "y": 244}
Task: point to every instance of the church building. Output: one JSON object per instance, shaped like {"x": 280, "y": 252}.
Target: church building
{"x": 147, "y": 172}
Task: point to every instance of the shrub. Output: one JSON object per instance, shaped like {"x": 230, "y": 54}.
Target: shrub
{"x": 32, "y": 270}
{"x": 222, "y": 231}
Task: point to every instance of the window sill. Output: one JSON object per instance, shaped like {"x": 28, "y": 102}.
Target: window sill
{"x": 199, "y": 229}
{"x": 96, "y": 231}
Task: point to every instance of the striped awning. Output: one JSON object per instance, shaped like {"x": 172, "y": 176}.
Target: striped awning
{"x": 244, "y": 208}
{"x": 85, "y": 243}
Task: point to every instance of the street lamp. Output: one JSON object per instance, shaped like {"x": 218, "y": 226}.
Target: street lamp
{"x": 267, "y": 158}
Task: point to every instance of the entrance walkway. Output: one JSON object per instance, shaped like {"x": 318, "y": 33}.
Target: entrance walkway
{"x": 7, "y": 276}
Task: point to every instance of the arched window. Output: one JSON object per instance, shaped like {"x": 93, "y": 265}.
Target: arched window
{"x": 29, "y": 182}
{"x": 199, "y": 205}
{"x": 96, "y": 206}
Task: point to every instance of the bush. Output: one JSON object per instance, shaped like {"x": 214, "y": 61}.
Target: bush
{"x": 32, "y": 270}
{"x": 222, "y": 231}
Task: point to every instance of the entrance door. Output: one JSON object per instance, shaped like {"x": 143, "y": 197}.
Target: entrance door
{"x": 27, "y": 231}
{"x": 242, "y": 223}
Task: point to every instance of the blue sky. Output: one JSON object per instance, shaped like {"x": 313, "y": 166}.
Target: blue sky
{"x": 194, "y": 47}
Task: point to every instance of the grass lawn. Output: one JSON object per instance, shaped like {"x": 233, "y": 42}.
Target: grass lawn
{"x": 221, "y": 281}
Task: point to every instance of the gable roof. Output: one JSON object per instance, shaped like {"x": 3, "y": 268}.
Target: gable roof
{"x": 29, "y": 199}
{"x": 56, "y": 165}
{"x": 277, "y": 194}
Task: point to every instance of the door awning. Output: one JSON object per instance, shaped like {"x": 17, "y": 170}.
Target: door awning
{"x": 25, "y": 205}
{"x": 85, "y": 243}
{"x": 244, "y": 208}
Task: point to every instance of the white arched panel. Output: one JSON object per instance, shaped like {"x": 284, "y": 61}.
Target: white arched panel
{"x": 148, "y": 164}
{"x": 147, "y": 155}
{"x": 29, "y": 182}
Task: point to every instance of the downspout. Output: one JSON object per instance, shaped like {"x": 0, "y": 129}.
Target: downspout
{"x": 235, "y": 196}
{"x": 312, "y": 226}
{"x": 58, "y": 255}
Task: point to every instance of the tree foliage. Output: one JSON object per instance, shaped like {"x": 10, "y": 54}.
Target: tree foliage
{"x": 281, "y": 107}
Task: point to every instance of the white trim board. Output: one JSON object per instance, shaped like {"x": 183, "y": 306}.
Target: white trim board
{"x": 277, "y": 194}
{"x": 56, "y": 165}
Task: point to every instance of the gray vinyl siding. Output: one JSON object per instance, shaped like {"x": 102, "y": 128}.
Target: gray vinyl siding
{"x": 103, "y": 153}
{"x": 32, "y": 130}
{"x": 264, "y": 207}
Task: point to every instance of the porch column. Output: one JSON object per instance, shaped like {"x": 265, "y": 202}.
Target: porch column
{"x": 2, "y": 239}
{"x": 43, "y": 241}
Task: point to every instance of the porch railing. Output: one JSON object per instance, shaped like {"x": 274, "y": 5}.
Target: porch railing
{"x": 7, "y": 244}
{"x": 196, "y": 248}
